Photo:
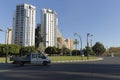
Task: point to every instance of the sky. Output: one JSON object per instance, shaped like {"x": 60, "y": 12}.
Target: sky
{"x": 101, "y": 18}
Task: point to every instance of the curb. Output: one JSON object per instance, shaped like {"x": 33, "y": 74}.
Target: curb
{"x": 70, "y": 61}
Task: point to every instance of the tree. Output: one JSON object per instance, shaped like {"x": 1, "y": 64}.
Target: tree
{"x": 12, "y": 49}
{"x": 98, "y": 48}
{"x": 54, "y": 50}
{"x": 2, "y": 49}
{"x": 88, "y": 51}
{"x": 115, "y": 50}
{"x": 27, "y": 50}
{"x": 39, "y": 39}
{"x": 75, "y": 52}
{"x": 51, "y": 50}
{"x": 48, "y": 50}
{"x": 59, "y": 51}
{"x": 66, "y": 51}
{"x": 41, "y": 47}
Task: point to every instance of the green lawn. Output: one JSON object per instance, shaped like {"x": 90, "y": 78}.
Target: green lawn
{"x": 58, "y": 58}
{"x": 64, "y": 58}
{"x": 2, "y": 59}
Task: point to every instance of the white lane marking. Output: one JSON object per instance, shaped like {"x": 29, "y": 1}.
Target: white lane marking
{"x": 4, "y": 70}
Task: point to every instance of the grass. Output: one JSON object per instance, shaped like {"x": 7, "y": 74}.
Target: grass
{"x": 2, "y": 59}
{"x": 67, "y": 58}
{"x": 58, "y": 58}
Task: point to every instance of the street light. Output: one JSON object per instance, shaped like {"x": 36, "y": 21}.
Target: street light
{"x": 79, "y": 38}
{"x": 88, "y": 35}
{"x": 7, "y": 37}
{"x": 81, "y": 44}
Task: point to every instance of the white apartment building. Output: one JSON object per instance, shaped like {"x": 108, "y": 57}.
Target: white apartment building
{"x": 49, "y": 23}
{"x": 8, "y": 36}
{"x": 24, "y": 25}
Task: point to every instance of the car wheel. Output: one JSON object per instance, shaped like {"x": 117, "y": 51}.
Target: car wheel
{"x": 45, "y": 63}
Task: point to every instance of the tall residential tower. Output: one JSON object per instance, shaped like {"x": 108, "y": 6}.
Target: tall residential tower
{"x": 24, "y": 25}
{"x": 49, "y": 23}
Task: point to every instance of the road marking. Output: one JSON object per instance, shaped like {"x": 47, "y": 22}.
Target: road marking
{"x": 4, "y": 70}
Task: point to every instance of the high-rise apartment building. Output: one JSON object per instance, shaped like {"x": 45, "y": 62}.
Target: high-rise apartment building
{"x": 24, "y": 25}
{"x": 8, "y": 36}
{"x": 49, "y": 23}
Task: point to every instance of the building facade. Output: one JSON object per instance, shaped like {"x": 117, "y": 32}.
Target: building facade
{"x": 69, "y": 44}
{"x": 24, "y": 25}
{"x": 8, "y": 36}
{"x": 49, "y": 24}
{"x": 60, "y": 42}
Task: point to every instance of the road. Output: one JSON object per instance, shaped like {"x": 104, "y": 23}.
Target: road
{"x": 107, "y": 69}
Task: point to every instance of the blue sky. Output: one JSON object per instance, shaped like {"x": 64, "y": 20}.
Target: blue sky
{"x": 101, "y": 18}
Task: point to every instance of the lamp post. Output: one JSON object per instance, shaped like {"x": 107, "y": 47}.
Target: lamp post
{"x": 7, "y": 37}
{"x": 88, "y": 35}
{"x": 80, "y": 44}
{"x": 80, "y": 39}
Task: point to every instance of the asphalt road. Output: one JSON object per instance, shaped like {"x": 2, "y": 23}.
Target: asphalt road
{"x": 107, "y": 69}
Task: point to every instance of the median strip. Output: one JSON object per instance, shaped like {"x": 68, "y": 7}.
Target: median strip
{"x": 65, "y": 59}
{"x": 73, "y": 59}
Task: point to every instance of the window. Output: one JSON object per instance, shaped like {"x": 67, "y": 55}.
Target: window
{"x": 34, "y": 55}
{"x": 41, "y": 56}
